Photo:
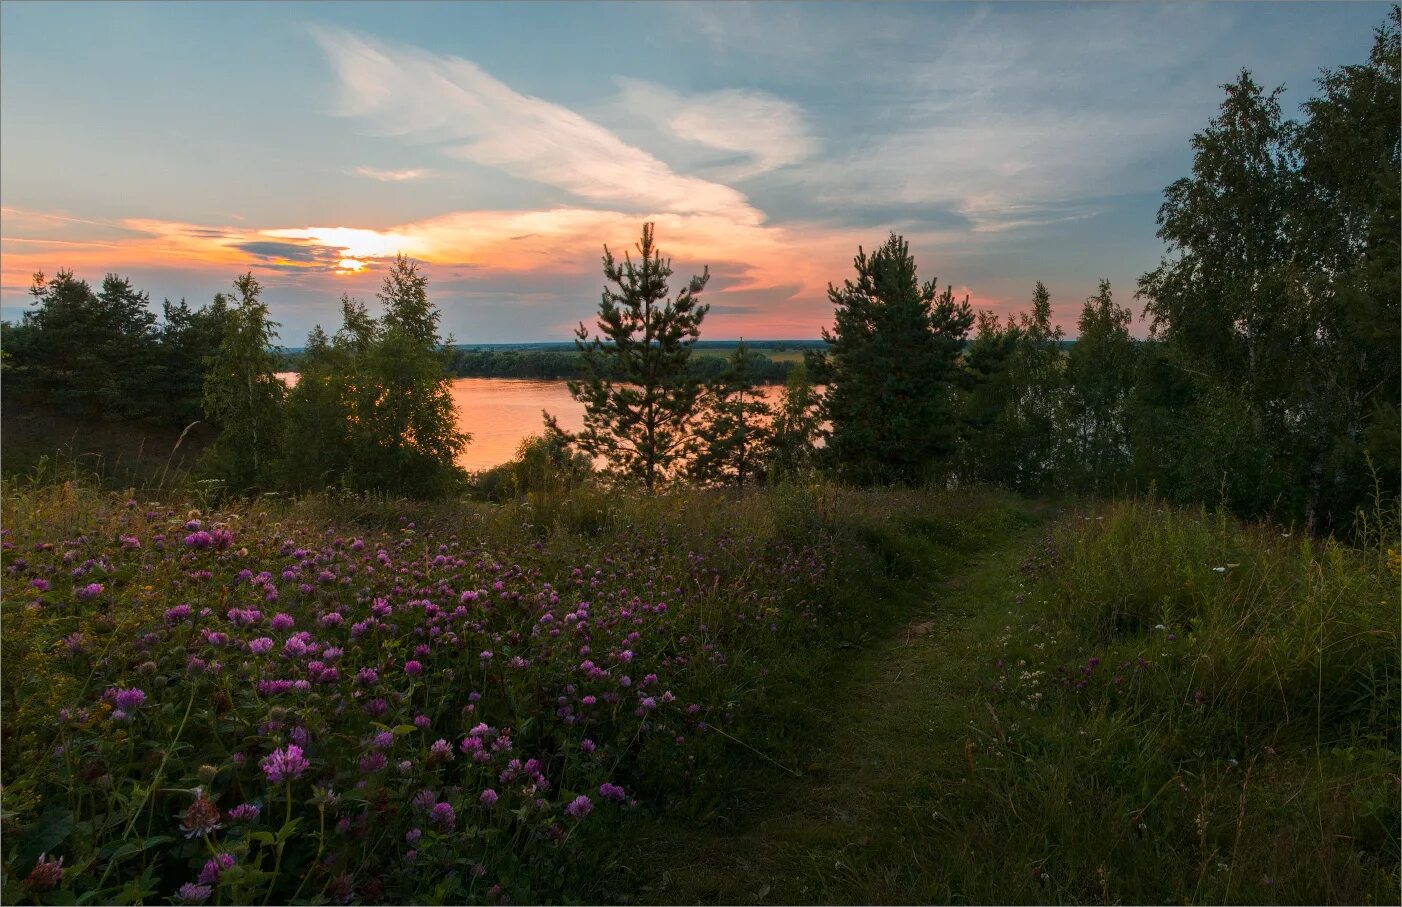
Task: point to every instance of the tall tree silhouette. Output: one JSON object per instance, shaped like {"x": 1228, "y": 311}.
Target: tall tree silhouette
{"x": 243, "y": 394}
{"x": 893, "y": 353}
{"x": 638, "y": 398}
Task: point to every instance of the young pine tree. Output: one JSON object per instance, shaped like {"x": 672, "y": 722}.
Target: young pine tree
{"x": 735, "y": 433}
{"x": 638, "y": 398}
{"x": 893, "y": 355}
{"x": 793, "y": 446}
{"x": 242, "y": 393}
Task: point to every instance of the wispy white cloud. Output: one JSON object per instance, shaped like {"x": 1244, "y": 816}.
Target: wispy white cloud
{"x": 769, "y": 131}
{"x": 411, "y": 92}
{"x": 392, "y": 176}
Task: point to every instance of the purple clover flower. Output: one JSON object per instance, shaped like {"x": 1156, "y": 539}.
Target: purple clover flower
{"x": 579, "y": 807}
{"x": 285, "y": 764}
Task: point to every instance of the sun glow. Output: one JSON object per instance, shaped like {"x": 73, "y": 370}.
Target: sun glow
{"x": 355, "y": 243}
{"x": 350, "y": 266}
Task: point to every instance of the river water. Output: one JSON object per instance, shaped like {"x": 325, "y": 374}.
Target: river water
{"x": 500, "y": 413}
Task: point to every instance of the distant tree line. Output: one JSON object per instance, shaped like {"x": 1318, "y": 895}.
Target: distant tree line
{"x": 1269, "y": 381}
{"x": 558, "y": 365}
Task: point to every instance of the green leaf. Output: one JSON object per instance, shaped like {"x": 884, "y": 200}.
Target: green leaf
{"x": 286, "y": 831}
{"x": 49, "y": 831}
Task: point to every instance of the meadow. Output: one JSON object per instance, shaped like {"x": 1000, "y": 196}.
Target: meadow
{"x": 601, "y": 697}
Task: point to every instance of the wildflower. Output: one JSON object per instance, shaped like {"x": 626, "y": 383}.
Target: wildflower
{"x": 587, "y": 745}
{"x": 413, "y": 668}
{"x": 424, "y": 799}
{"x": 244, "y": 812}
{"x": 612, "y": 792}
{"x": 261, "y": 645}
{"x": 440, "y": 751}
{"x": 177, "y": 614}
{"x": 45, "y": 875}
{"x": 209, "y": 875}
{"x": 125, "y": 698}
{"x": 285, "y": 764}
{"x": 90, "y": 591}
{"x": 190, "y": 893}
{"x": 443, "y": 816}
{"x": 201, "y": 818}
{"x": 488, "y": 798}
{"x": 372, "y": 762}
{"x": 283, "y": 621}
{"x": 580, "y": 807}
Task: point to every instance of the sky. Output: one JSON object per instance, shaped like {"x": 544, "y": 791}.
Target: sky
{"x": 504, "y": 145}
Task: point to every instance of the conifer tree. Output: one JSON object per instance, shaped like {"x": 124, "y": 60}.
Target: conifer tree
{"x": 735, "y": 433}
{"x": 90, "y": 353}
{"x": 189, "y": 340}
{"x": 639, "y": 400}
{"x": 893, "y": 355}
{"x": 242, "y": 392}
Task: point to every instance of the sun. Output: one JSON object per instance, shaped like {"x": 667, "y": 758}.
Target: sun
{"x": 350, "y": 266}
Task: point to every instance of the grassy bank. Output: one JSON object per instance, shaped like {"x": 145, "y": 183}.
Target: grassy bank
{"x": 40, "y": 444}
{"x": 375, "y": 700}
{"x": 1144, "y": 706}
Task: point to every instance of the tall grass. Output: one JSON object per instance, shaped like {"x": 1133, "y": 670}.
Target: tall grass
{"x": 1193, "y": 709}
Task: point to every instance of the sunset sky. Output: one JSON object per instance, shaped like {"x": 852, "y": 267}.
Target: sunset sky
{"x": 504, "y": 145}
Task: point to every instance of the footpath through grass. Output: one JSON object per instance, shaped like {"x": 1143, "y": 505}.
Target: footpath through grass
{"x": 846, "y": 828}
{"x": 1140, "y": 705}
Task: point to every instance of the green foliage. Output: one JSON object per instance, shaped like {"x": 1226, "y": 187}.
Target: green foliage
{"x": 892, "y": 362}
{"x": 243, "y": 394}
{"x": 793, "y": 447}
{"x": 1012, "y": 404}
{"x": 87, "y": 353}
{"x": 373, "y": 406}
{"x": 1279, "y": 303}
{"x": 1100, "y": 374}
{"x": 544, "y": 466}
{"x": 734, "y": 433}
{"x": 640, "y": 422}
{"x": 189, "y": 339}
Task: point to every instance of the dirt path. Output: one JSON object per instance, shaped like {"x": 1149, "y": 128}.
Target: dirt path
{"x": 848, "y": 831}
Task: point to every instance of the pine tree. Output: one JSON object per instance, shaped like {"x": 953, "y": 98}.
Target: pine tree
{"x": 893, "y": 356}
{"x": 793, "y": 448}
{"x": 189, "y": 340}
{"x": 243, "y": 394}
{"x": 735, "y": 433}
{"x": 638, "y": 398}
{"x": 90, "y": 354}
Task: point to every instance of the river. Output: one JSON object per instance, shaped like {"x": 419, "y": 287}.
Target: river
{"x": 500, "y": 413}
